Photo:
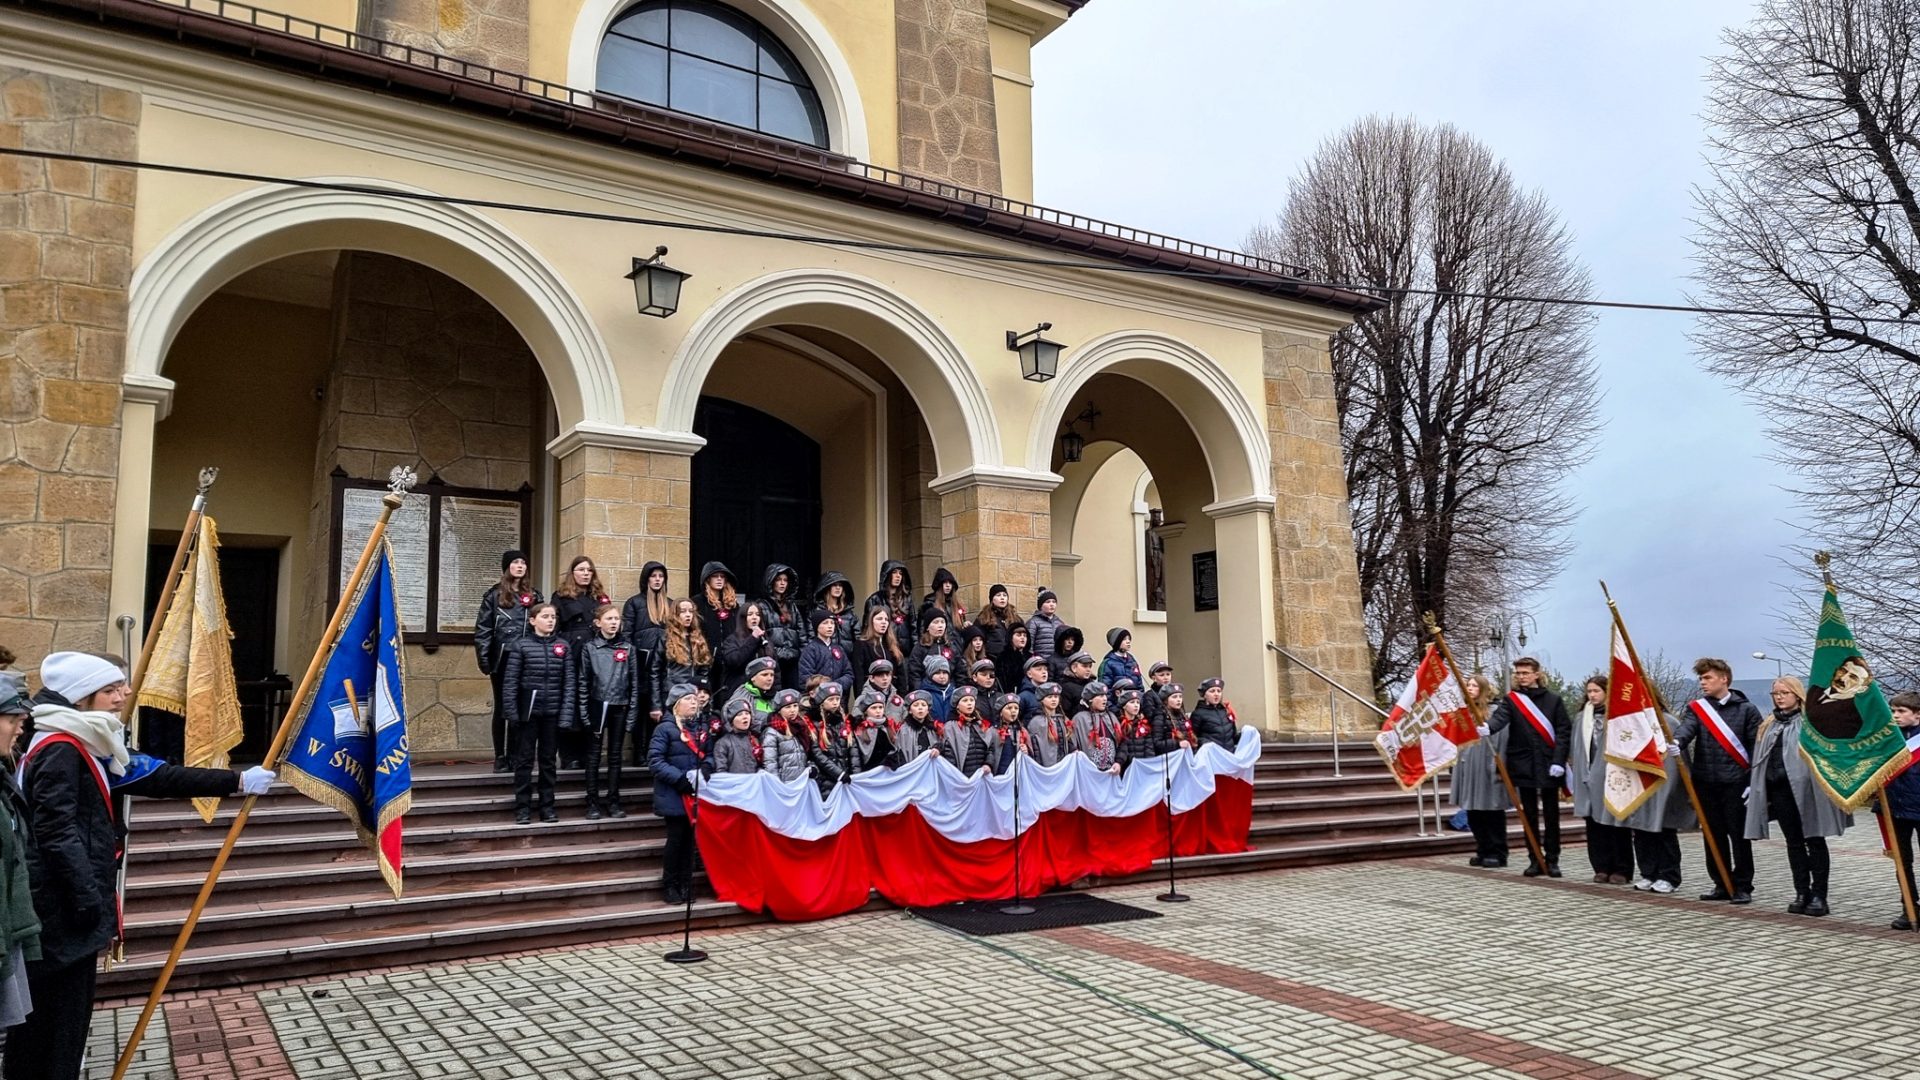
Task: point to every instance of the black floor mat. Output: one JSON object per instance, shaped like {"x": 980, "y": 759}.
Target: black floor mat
{"x": 1051, "y": 912}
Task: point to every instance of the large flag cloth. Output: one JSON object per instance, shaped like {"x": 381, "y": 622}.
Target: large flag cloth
{"x": 350, "y": 751}
{"x": 924, "y": 834}
{"x": 192, "y": 668}
{"x": 1636, "y": 744}
{"x": 1428, "y": 726}
{"x": 1849, "y": 738}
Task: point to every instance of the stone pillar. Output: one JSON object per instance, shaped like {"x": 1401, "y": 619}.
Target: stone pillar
{"x": 921, "y": 545}
{"x": 489, "y": 32}
{"x": 624, "y": 508}
{"x": 996, "y": 533}
{"x": 1317, "y": 610}
{"x": 66, "y": 232}
{"x": 948, "y": 129}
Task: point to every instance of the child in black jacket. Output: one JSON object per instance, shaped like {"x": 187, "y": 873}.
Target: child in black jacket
{"x": 538, "y": 687}
{"x": 608, "y": 692}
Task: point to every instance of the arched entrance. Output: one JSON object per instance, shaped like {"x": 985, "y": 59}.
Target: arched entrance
{"x": 756, "y": 491}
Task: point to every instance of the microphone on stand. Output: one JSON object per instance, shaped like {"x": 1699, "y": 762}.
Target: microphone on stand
{"x": 1173, "y": 895}
{"x": 1017, "y": 907}
{"x": 686, "y": 953}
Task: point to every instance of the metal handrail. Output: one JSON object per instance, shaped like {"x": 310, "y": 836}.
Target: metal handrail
{"x": 1333, "y": 728}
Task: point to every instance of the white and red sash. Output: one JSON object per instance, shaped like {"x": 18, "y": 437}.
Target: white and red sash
{"x": 1722, "y": 734}
{"x": 1533, "y": 715}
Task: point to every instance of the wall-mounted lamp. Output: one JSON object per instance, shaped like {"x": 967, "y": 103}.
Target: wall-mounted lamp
{"x": 1072, "y": 443}
{"x": 656, "y": 286}
{"x": 1039, "y": 357}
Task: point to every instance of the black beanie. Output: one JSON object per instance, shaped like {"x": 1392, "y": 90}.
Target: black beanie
{"x": 509, "y": 556}
{"x": 998, "y": 589}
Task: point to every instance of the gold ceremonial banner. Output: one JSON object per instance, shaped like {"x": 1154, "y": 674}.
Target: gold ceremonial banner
{"x": 192, "y": 668}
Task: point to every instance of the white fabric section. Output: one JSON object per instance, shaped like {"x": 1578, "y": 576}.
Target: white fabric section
{"x": 964, "y": 809}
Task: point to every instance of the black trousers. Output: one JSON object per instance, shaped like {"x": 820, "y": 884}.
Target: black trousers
{"x": 1542, "y": 807}
{"x": 1727, "y": 814}
{"x": 1658, "y": 854}
{"x": 1903, "y": 830}
{"x": 606, "y": 741}
{"x": 678, "y": 862}
{"x": 51, "y": 1043}
{"x": 1806, "y": 855}
{"x": 533, "y": 743}
{"x": 499, "y": 711}
{"x": 1609, "y": 848}
{"x": 1489, "y": 834}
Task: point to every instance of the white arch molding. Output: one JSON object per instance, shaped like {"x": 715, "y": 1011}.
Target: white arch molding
{"x": 797, "y": 27}
{"x": 268, "y": 223}
{"x": 947, "y": 391}
{"x": 1237, "y": 452}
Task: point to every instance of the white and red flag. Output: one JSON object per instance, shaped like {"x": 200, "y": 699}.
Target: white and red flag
{"x": 1636, "y": 746}
{"x": 1428, "y": 726}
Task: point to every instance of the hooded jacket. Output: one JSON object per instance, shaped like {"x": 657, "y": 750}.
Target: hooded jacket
{"x": 905, "y": 625}
{"x": 1529, "y": 757}
{"x": 633, "y": 617}
{"x": 956, "y": 611}
{"x": 787, "y": 629}
{"x": 1710, "y": 761}
{"x": 848, "y": 619}
{"x": 714, "y": 623}
{"x": 498, "y": 625}
{"x": 1067, "y": 640}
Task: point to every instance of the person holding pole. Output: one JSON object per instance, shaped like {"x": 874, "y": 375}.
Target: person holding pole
{"x": 1721, "y": 766}
{"x": 1609, "y": 844}
{"x": 1477, "y": 788}
{"x": 1901, "y": 796}
{"x": 1782, "y": 789}
{"x": 1539, "y": 737}
{"x": 76, "y": 765}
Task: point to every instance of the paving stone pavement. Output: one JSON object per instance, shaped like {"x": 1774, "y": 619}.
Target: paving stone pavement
{"x": 1409, "y": 970}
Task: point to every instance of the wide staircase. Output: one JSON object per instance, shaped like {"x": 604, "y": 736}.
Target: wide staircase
{"x": 301, "y": 896}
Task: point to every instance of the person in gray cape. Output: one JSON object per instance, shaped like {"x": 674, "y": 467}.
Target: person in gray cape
{"x": 1609, "y": 845}
{"x": 1783, "y": 789}
{"x": 1477, "y": 788}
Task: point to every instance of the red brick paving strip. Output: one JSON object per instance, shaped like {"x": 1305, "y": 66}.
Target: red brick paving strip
{"x": 1496, "y": 1050}
{"x": 224, "y": 1036}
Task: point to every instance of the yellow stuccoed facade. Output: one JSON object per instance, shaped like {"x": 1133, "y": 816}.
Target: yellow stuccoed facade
{"x": 157, "y": 321}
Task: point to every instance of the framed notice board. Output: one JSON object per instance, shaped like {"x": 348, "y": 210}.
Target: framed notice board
{"x": 446, "y": 542}
{"x": 1206, "y": 581}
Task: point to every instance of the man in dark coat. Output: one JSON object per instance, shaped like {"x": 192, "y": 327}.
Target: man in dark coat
{"x": 1541, "y": 735}
{"x": 1716, "y": 733}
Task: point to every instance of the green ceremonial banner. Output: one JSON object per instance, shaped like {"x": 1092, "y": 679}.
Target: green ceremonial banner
{"x": 1849, "y": 738}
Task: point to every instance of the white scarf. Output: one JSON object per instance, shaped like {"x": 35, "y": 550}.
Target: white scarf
{"x": 102, "y": 732}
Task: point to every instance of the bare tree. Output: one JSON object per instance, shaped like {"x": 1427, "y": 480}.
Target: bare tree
{"x": 1461, "y": 409}
{"x": 1812, "y": 209}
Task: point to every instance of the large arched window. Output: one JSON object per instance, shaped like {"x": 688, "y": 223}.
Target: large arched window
{"x": 704, "y": 58}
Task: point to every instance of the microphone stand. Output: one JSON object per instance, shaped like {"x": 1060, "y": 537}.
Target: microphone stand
{"x": 1017, "y": 907}
{"x": 686, "y": 953}
{"x": 1173, "y": 895}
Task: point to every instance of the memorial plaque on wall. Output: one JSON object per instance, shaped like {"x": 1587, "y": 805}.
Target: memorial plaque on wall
{"x": 408, "y": 532}
{"x": 474, "y": 532}
{"x": 1206, "y": 581}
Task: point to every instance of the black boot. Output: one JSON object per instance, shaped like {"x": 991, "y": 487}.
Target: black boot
{"x": 523, "y": 816}
{"x": 1817, "y": 905}
{"x": 614, "y": 809}
{"x": 593, "y": 808}
{"x": 1799, "y": 905}
{"x": 500, "y": 764}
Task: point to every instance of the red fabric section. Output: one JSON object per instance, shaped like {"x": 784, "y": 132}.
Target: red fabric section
{"x": 391, "y": 849}
{"x": 905, "y": 860}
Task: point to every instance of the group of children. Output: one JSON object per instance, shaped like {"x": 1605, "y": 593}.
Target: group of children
{"x": 1744, "y": 767}
{"x": 718, "y": 682}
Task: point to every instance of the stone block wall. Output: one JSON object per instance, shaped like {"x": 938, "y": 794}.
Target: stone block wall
{"x": 624, "y": 509}
{"x": 489, "y": 32}
{"x": 948, "y": 128}
{"x": 66, "y": 233}
{"x": 427, "y": 374}
{"x": 992, "y": 534}
{"x": 1317, "y": 610}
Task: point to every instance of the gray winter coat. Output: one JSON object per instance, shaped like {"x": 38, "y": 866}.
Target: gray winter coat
{"x": 1047, "y": 750}
{"x": 1476, "y": 782}
{"x": 732, "y": 753}
{"x": 782, "y": 755}
{"x": 1096, "y": 735}
{"x": 1818, "y": 814}
{"x": 1587, "y": 764}
{"x": 1668, "y": 808}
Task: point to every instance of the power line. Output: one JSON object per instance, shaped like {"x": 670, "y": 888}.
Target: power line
{"x": 913, "y": 249}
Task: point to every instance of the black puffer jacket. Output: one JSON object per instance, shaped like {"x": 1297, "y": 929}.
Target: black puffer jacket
{"x": 610, "y": 673}
{"x": 1530, "y": 758}
{"x": 1709, "y": 761}
{"x": 736, "y": 651}
{"x": 969, "y": 745}
{"x": 1215, "y": 724}
{"x": 77, "y": 842}
{"x": 787, "y": 629}
{"x": 539, "y": 680}
{"x": 633, "y": 617}
{"x": 499, "y": 625}
{"x": 714, "y": 623}
{"x": 1140, "y": 737}
{"x": 849, "y": 618}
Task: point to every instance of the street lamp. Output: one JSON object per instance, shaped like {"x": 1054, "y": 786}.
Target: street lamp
{"x": 656, "y": 286}
{"x": 1779, "y": 668}
{"x": 1039, "y": 357}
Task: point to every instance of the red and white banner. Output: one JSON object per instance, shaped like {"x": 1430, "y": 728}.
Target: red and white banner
{"x": 924, "y": 834}
{"x": 1635, "y": 747}
{"x": 1428, "y": 726}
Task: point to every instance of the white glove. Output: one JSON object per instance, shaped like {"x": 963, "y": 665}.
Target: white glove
{"x": 1556, "y": 771}
{"x": 256, "y": 781}
{"x": 1673, "y": 749}
{"x": 1482, "y": 731}
{"x": 1744, "y": 792}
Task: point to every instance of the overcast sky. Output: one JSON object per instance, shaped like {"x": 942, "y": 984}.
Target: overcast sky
{"x": 1190, "y": 118}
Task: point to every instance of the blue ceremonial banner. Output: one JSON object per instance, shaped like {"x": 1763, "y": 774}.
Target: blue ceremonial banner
{"x": 350, "y": 751}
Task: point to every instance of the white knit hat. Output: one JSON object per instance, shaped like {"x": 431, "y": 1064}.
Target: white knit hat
{"x": 77, "y": 675}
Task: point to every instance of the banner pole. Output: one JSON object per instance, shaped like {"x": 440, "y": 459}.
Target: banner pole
{"x": 1660, "y": 714}
{"x": 400, "y": 481}
{"x": 1499, "y": 761}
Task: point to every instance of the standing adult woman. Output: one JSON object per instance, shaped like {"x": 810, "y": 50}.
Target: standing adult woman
{"x": 575, "y": 600}
{"x": 502, "y": 621}
{"x": 1783, "y": 790}
{"x": 644, "y": 623}
{"x": 1609, "y": 844}
{"x": 997, "y": 621}
{"x": 1477, "y": 788}
{"x": 787, "y": 629}
{"x": 749, "y": 641}
{"x": 674, "y": 756}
